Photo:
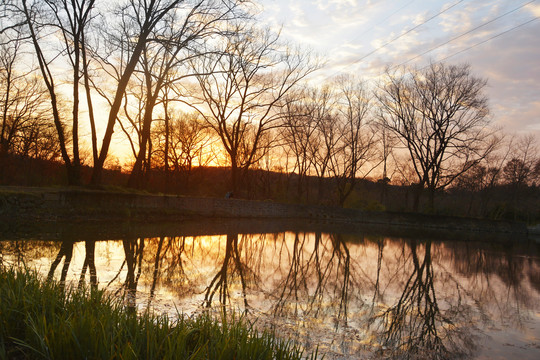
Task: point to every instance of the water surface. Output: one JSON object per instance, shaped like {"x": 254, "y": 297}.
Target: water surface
{"x": 352, "y": 295}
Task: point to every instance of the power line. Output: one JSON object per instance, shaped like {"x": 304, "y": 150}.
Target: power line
{"x": 490, "y": 38}
{"x": 406, "y": 32}
{"x": 383, "y": 20}
{"x": 465, "y": 33}
{"x": 397, "y": 37}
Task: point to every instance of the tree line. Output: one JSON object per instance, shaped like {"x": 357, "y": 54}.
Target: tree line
{"x": 191, "y": 83}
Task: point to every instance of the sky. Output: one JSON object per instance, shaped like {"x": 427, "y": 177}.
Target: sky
{"x": 500, "y": 39}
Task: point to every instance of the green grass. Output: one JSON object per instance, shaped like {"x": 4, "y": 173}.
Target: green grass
{"x": 42, "y": 320}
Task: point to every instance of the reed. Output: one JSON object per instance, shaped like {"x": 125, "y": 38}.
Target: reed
{"x": 44, "y": 320}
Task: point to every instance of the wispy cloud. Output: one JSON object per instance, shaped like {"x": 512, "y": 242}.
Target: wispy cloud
{"x": 534, "y": 9}
{"x": 353, "y": 34}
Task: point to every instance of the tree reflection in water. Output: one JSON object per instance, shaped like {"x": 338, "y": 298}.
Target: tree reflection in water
{"x": 232, "y": 263}
{"x": 66, "y": 253}
{"x": 157, "y": 264}
{"x": 416, "y": 326}
{"x": 89, "y": 264}
{"x": 134, "y": 250}
{"x": 354, "y": 295}
{"x": 316, "y": 278}
{"x": 500, "y": 279}
{"x": 66, "y": 250}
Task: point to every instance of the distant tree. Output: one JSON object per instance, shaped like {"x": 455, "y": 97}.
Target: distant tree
{"x": 482, "y": 178}
{"x": 300, "y": 130}
{"x": 520, "y": 169}
{"x": 516, "y": 172}
{"x": 186, "y": 143}
{"x": 328, "y": 134}
{"x": 537, "y": 172}
{"x": 355, "y": 154}
{"x": 440, "y": 116}
{"x": 327, "y": 130}
{"x": 37, "y": 140}
{"x": 520, "y": 178}
{"x": 386, "y": 142}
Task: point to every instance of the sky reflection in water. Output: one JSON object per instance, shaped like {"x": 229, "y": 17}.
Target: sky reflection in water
{"x": 353, "y": 296}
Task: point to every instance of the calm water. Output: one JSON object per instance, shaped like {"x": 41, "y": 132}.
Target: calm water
{"x": 354, "y": 296}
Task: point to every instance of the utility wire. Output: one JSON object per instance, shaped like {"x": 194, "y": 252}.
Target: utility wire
{"x": 488, "y": 39}
{"x": 397, "y": 37}
{"x": 383, "y": 20}
{"x": 465, "y": 33}
{"x": 406, "y": 32}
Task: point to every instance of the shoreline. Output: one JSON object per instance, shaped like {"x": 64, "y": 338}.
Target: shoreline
{"x": 26, "y": 205}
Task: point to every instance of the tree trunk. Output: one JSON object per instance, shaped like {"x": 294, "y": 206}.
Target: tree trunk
{"x": 73, "y": 175}
{"x": 234, "y": 177}
{"x": 115, "y": 108}
{"x": 166, "y": 155}
{"x": 417, "y": 195}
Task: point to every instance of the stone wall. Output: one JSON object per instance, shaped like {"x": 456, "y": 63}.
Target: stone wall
{"x": 82, "y": 205}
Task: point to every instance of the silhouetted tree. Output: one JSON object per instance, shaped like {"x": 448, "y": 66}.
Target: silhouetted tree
{"x": 241, "y": 86}
{"x": 42, "y": 20}
{"x": 173, "y": 44}
{"x": 520, "y": 169}
{"x": 441, "y": 117}
{"x": 300, "y": 131}
{"x": 181, "y": 143}
{"x": 356, "y": 148}
{"x": 141, "y": 18}
{"x": 26, "y": 126}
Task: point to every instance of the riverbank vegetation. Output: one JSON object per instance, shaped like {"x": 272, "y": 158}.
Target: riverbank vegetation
{"x": 49, "y": 320}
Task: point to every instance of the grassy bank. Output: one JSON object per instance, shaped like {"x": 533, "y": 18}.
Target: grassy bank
{"x": 42, "y": 320}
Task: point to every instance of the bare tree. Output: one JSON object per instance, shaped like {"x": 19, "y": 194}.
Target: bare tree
{"x": 441, "y": 118}
{"x": 356, "y": 148}
{"x": 241, "y": 86}
{"x": 519, "y": 170}
{"x": 141, "y": 18}
{"x": 181, "y": 143}
{"x": 173, "y": 44}
{"x": 72, "y": 17}
{"x": 25, "y": 121}
{"x": 59, "y": 33}
{"x": 300, "y": 131}
{"x": 329, "y": 135}
{"x": 55, "y": 30}
{"x": 482, "y": 178}
{"x": 37, "y": 22}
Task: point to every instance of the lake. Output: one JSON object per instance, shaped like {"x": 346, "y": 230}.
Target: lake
{"x": 351, "y": 292}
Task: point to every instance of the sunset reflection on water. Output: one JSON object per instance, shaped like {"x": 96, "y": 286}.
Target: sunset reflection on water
{"x": 352, "y": 296}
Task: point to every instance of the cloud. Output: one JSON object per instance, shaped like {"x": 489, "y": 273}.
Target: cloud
{"x": 337, "y": 4}
{"x": 454, "y": 23}
{"x": 534, "y": 9}
{"x": 349, "y": 30}
{"x": 299, "y": 19}
{"x": 511, "y": 64}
